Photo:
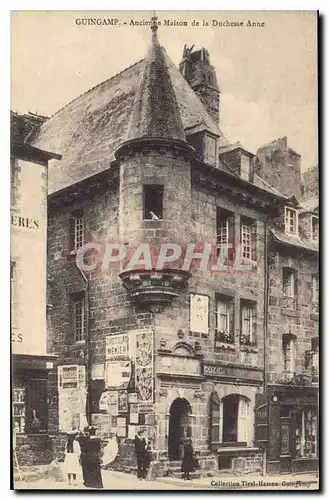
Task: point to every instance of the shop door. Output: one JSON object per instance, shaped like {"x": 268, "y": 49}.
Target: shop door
{"x": 285, "y": 444}
{"x": 179, "y": 428}
{"x": 36, "y": 405}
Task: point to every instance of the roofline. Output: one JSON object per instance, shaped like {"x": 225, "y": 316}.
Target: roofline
{"x": 25, "y": 149}
{"x": 292, "y": 245}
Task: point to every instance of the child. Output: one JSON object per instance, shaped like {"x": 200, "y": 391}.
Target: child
{"x": 72, "y": 456}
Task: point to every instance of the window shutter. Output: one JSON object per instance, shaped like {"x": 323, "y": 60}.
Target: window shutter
{"x": 231, "y": 237}
{"x": 254, "y": 241}
{"x": 242, "y": 421}
{"x": 231, "y": 318}
{"x": 254, "y": 324}
{"x": 71, "y": 233}
{"x": 214, "y": 418}
{"x": 295, "y": 285}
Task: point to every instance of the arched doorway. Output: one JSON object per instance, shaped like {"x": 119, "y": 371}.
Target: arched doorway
{"x": 179, "y": 427}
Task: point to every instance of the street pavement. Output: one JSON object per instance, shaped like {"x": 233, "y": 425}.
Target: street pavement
{"x": 113, "y": 480}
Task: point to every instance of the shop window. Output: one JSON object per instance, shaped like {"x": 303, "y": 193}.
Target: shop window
{"x": 225, "y": 320}
{"x": 79, "y": 317}
{"x": 215, "y": 416}
{"x": 19, "y": 402}
{"x": 248, "y": 238}
{"x": 315, "y": 288}
{"x": 236, "y": 413}
{"x": 306, "y": 434}
{"x": 77, "y": 230}
{"x": 152, "y": 202}
{"x": 290, "y": 220}
{"x": 225, "y": 233}
{"x": 245, "y": 167}
{"x": 289, "y": 354}
{"x": 248, "y": 323}
{"x": 315, "y": 228}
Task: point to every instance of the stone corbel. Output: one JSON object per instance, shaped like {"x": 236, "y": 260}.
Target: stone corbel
{"x": 163, "y": 392}
{"x": 199, "y": 394}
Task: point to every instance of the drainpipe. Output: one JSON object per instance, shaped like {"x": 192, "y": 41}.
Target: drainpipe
{"x": 266, "y": 295}
{"x": 87, "y": 349}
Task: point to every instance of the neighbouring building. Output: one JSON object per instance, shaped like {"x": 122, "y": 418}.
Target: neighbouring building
{"x": 212, "y": 355}
{"x": 30, "y": 361}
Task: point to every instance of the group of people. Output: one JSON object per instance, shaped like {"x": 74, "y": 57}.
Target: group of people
{"x": 83, "y": 453}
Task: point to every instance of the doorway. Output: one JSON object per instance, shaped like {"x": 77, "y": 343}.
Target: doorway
{"x": 179, "y": 427}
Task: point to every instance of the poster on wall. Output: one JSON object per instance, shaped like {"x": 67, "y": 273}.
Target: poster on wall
{"x": 113, "y": 402}
{"x": 123, "y": 402}
{"x": 133, "y": 411}
{"x": 121, "y": 427}
{"x": 117, "y": 374}
{"x": 199, "y": 313}
{"x": 132, "y": 397}
{"x": 117, "y": 346}
{"x": 144, "y": 367}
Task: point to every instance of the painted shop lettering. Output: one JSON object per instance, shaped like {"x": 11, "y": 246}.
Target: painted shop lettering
{"x": 26, "y": 222}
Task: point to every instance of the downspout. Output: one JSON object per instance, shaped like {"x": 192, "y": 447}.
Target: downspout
{"x": 87, "y": 349}
{"x": 266, "y": 298}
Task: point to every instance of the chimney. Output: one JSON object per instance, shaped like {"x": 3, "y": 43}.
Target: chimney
{"x": 201, "y": 76}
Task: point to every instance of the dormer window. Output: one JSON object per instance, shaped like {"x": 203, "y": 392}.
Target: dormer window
{"x": 315, "y": 228}
{"x": 290, "y": 220}
{"x": 209, "y": 150}
{"x": 245, "y": 167}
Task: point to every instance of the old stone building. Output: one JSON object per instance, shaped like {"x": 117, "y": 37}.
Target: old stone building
{"x": 31, "y": 362}
{"x": 181, "y": 351}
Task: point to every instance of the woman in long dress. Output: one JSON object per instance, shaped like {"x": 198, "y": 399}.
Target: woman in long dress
{"x": 72, "y": 455}
{"x": 91, "y": 459}
{"x": 188, "y": 463}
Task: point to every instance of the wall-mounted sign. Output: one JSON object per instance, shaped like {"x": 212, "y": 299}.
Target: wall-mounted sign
{"x": 146, "y": 408}
{"x": 117, "y": 374}
{"x": 199, "y": 313}
{"x": 177, "y": 365}
{"x": 24, "y": 222}
{"x": 144, "y": 367}
{"x": 117, "y": 346}
{"x": 224, "y": 371}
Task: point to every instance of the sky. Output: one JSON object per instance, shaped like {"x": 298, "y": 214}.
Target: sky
{"x": 267, "y": 75}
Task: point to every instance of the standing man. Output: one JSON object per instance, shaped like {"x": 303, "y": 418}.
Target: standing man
{"x": 140, "y": 450}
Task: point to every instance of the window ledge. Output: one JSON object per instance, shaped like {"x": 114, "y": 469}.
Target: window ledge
{"x": 248, "y": 348}
{"x": 225, "y": 346}
{"x": 289, "y": 312}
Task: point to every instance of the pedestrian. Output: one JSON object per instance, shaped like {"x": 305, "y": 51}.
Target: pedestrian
{"x": 91, "y": 459}
{"x": 147, "y": 463}
{"x": 189, "y": 461}
{"x": 72, "y": 456}
{"x": 140, "y": 450}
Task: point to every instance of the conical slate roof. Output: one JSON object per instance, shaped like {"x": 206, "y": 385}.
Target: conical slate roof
{"x": 155, "y": 111}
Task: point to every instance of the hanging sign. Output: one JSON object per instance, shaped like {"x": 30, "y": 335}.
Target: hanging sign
{"x": 117, "y": 374}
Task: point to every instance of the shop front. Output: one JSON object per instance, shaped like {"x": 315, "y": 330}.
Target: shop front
{"x": 30, "y": 408}
{"x": 293, "y": 429}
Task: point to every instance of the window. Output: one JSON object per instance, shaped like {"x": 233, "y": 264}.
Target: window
{"x": 245, "y": 167}
{"x": 153, "y": 202}
{"x": 225, "y": 232}
{"x": 210, "y": 150}
{"x": 19, "y": 402}
{"x": 231, "y": 419}
{"x": 289, "y": 354}
{"x": 77, "y": 230}
{"x": 248, "y": 324}
{"x": 291, "y": 220}
{"x": 289, "y": 282}
{"x": 306, "y": 433}
{"x": 248, "y": 238}
{"x": 315, "y": 228}
{"x": 236, "y": 413}
{"x": 225, "y": 320}
{"x": 315, "y": 288}
{"x": 79, "y": 318}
